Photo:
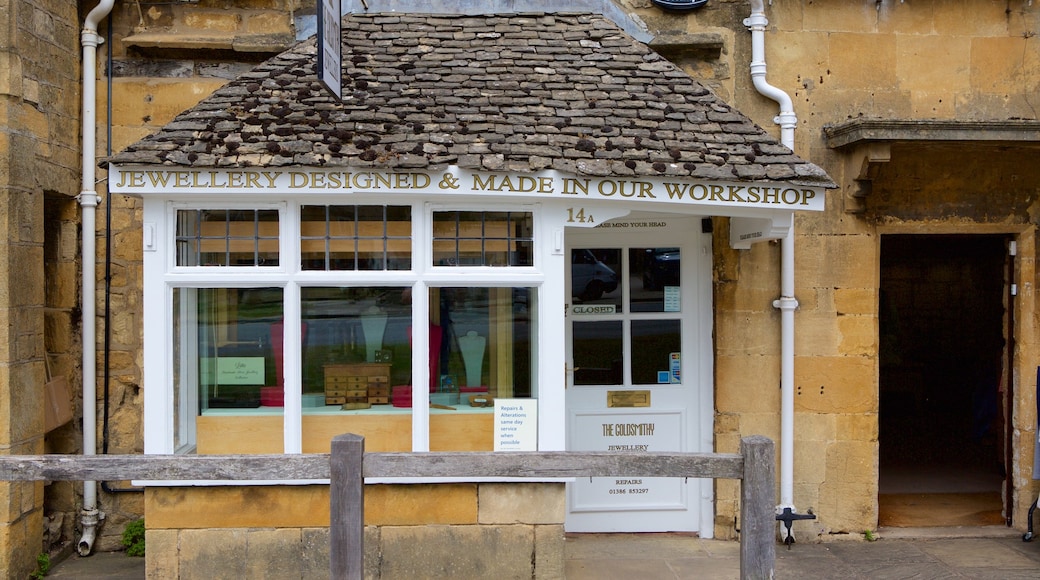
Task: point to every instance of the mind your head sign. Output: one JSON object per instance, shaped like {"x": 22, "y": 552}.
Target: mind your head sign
{"x": 171, "y": 182}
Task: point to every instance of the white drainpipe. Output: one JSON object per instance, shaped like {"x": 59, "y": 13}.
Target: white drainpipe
{"x": 90, "y": 517}
{"x": 786, "y": 303}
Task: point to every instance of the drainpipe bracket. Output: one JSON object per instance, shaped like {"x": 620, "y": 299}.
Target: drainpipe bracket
{"x": 786, "y": 119}
{"x": 88, "y": 198}
{"x": 89, "y": 37}
{"x": 786, "y": 303}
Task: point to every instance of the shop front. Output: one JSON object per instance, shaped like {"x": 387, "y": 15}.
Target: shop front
{"x": 396, "y": 265}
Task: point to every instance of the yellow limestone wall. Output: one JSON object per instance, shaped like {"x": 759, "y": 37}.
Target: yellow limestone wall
{"x": 487, "y": 530}
{"x": 926, "y": 59}
{"x": 919, "y": 59}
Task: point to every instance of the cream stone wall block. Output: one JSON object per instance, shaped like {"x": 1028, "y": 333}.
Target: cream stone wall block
{"x": 817, "y": 334}
{"x": 504, "y": 503}
{"x": 897, "y": 18}
{"x": 853, "y": 462}
{"x": 930, "y": 62}
{"x": 744, "y": 298}
{"x": 741, "y": 389}
{"x": 858, "y": 335}
{"x": 850, "y": 70}
{"x": 500, "y": 552}
{"x": 314, "y": 550}
{"x": 162, "y": 557}
{"x": 1001, "y": 65}
{"x": 816, "y": 426}
{"x": 837, "y": 261}
{"x": 391, "y": 505}
{"x": 155, "y": 102}
{"x": 856, "y": 426}
{"x": 745, "y": 330}
{"x": 933, "y": 105}
{"x": 549, "y": 551}
{"x": 223, "y": 21}
{"x": 835, "y": 384}
{"x": 269, "y": 23}
{"x": 810, "y": 461}
{"x": 839, "y": 16}
{"x": 971, "y": 18}
{"x": 767, "y": 424}
{"x": 847, "y": 507}
{"x": 272, "y": 553}
{"x": 855, "y": 300}
{"x": 211, "y": 554}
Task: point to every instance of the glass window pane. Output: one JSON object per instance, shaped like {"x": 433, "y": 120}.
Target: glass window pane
{"x": 356, "y": 354}
{"x": 482, "y": 347}
{"x": 654, "y": 275}
{"x": 594, "y": 276}
{"x": 227, "y": 237}
{"x": 598, "y": 352}
{"x": 656, "y": 352}
{"x": 473, "y": 238}
{"x": 445, "y": 253}
{"x": 357, "y": 237}
{"x": 523, "y": 254}
{"x": 228, "y": 370}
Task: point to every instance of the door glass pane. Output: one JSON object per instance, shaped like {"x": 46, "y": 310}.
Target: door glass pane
{"x": 594, "y": 276}
{"x": 654, "y": 275}
{"x": 656, "y": 354}
{"x": 598, "y": 353}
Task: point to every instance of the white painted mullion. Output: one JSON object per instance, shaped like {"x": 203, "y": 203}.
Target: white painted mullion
{"x": 158, "y": 377}
{"x": 292, "y": 341}
{"x": 422, "y": 257}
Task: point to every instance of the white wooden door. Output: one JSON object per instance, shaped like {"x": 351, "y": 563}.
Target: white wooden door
{"x": 640, "y": 375}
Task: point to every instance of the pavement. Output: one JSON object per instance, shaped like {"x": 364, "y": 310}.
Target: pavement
{"x": 979, "y": 553}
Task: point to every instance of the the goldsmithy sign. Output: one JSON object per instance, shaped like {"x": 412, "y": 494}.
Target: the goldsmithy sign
{"x": 454, "y": 181}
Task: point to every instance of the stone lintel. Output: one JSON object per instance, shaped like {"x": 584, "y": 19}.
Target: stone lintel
{"x": 262, "y": 43}
{"x": 867, "y": 144}
{"x": 858, "y": 131}
{"x": 707, "y": 44}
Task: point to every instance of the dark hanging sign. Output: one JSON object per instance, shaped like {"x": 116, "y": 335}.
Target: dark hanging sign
{"x": 679, "y": 4}
{"x": 330, "y": 46}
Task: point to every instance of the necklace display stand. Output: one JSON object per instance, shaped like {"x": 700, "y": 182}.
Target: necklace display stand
{"x": 373, "y": 324}
{"x": 472, "y": 346}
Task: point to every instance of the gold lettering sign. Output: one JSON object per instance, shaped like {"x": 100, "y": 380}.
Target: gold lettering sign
{"x": 628, "y": 398}
{"x": 457, "y": 181}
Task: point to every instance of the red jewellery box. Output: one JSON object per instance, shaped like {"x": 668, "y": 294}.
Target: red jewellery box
{"x": 401, "y": 395}
{"x": 272, "y": 396}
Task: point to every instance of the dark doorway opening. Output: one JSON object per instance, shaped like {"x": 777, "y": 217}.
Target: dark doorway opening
{"x": 944, "y": 317}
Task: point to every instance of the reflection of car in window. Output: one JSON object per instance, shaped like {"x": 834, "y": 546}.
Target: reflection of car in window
{"x": 662, "y": 268}
{"x": 590, "y": 277}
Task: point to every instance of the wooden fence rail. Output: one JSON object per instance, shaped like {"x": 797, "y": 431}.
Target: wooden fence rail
{"x": 348, "y": 465}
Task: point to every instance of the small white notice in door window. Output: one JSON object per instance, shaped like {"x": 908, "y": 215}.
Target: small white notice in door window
{"x": 671, "y": 299}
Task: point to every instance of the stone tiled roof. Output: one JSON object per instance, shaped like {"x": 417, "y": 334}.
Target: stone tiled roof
{"x": 521, "y": 92}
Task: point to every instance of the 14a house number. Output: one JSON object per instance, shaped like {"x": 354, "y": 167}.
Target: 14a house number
{"x": 579, "y": 216}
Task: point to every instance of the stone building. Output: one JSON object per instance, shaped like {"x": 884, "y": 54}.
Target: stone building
{"x": 909, "y": 367}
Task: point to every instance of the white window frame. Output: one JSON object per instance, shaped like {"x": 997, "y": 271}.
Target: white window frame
{"x": 163, "y": 275}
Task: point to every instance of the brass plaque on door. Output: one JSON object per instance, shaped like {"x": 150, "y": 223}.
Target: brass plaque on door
{"x": 628, "y": 398}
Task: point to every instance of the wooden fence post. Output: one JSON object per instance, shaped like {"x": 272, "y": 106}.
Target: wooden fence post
{"x": 757, "y": 509}
{"x": 347, "y": 507}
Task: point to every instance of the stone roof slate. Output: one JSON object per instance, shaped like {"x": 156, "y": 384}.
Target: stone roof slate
{"x": 518, "y": 92}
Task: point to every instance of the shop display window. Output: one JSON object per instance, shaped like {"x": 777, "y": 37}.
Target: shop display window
{"x": 353, "y": 368}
